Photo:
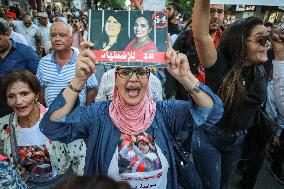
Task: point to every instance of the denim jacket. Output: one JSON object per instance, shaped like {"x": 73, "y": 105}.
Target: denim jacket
{"x": 278, "y": 85}
{"x": 176, "y": 118}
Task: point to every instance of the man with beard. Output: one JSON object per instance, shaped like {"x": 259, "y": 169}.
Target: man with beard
{"x": 173, "y": 11}
{"x": 216, "y": 20}
{"x": 77, "y": 36}
{"x": 14, "y": 56}
{"x": 185, "y": 44}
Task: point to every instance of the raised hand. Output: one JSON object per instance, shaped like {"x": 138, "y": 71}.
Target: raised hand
{"x": 178, "y": 65}
{"x": 86, "y": 61}
{"x": 277, "y": 41}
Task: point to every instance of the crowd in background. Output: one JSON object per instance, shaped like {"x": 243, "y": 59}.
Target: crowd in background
{"x": 41, "y": 55}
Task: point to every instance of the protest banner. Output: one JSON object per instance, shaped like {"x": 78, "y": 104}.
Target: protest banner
{"x": 250, "y": 2}
{"x": 129, "y": 38}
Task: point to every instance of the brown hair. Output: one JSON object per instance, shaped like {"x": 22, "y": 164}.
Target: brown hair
{"x": 23, "y": 76}
{"x": 233, "y": 45}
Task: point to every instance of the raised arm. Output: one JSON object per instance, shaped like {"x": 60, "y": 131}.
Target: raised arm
{"x": 84, "y": 69}
{"x": 178, "y": 67}
{"x": 203, "y": 41}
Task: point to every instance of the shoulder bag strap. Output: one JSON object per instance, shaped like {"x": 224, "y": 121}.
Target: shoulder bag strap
{"x": 13, "y": 140}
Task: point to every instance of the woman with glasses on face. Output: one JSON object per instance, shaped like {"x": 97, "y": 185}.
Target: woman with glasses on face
{"x": 142, "y": 41}
{"x": 235, "y": 72}
{"x": 114, "y": 128}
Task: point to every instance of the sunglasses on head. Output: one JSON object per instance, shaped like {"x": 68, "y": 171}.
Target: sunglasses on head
{"x": 261, "y": 40}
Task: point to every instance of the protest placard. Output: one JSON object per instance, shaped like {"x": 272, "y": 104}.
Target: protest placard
{"x": 129, "y": 38}
{"x": 250, "y": 2}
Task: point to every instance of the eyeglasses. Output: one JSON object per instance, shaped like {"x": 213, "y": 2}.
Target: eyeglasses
{"x": 261, "y": 40}
{"x": 127, "y": 73}
{"x": 219, "y": 11}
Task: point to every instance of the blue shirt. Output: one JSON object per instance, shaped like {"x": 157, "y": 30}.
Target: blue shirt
{"x": 176, "y": 118}
{"x": 53, "y": 78}
{"x": 20, "y": 57}
{"x": 272, "y": 110}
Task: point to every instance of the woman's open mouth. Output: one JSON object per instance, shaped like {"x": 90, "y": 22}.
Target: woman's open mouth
{"x": 21, "y": 109}
{"x": 133, "y": 92}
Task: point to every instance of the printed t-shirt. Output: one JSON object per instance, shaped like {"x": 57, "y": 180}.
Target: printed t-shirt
{"x": 139, "y": 162}
{"x": 34, "y": 156}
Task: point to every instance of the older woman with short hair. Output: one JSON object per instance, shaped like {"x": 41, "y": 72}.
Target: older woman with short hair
{"x": 42, "y": 162}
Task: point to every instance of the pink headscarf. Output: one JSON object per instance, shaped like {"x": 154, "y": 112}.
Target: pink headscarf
{"x": 135, "y": 119}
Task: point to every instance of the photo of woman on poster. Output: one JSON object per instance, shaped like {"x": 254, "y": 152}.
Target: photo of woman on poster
{"x": 142, "y": 29}
{"x": 112, "y": 38}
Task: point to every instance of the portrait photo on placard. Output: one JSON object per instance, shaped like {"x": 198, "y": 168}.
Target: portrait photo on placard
{"x": 129, "y": 38}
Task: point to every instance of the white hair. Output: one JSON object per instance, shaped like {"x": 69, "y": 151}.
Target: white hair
{"x": 66, "y": 24}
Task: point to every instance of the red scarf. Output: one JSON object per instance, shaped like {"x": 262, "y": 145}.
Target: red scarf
{"x": 217, "y": 37}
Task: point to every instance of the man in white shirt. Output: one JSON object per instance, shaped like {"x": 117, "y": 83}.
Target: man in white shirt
{"x": 14, "y": 35}
{"x": 43, "y": 32}
{"x": 27, "y": 29}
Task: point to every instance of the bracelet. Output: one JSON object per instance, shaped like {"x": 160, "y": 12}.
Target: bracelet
{"x": 196, "y": 88}
{"x": 74, "y": 89}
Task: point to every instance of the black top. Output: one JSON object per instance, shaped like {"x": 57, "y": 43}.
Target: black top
{"x": 174, "y": 28}
{"x": 184, "y": 44}
{"x": 256, "y": 87}
{"x": 119, "y": 46}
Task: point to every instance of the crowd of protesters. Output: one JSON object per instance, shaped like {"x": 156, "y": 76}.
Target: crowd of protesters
{"x": 67, "y": 122}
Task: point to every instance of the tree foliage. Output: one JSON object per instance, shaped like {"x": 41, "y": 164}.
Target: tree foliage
{"x": 186, "y": 5}
{"x": 115, "y": 4}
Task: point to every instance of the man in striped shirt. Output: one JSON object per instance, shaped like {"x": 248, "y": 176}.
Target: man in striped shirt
{"x": 57, "y": 69}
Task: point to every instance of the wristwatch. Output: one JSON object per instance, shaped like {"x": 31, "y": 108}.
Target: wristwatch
{"x": 196, "y": 88}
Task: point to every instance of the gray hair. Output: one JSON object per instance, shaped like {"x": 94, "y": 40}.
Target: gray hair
{"x": 66, "y": 24}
